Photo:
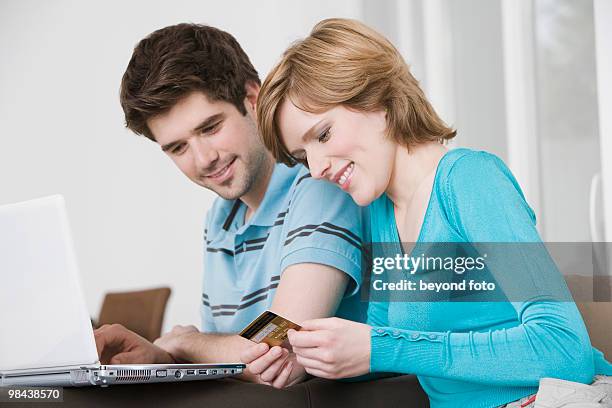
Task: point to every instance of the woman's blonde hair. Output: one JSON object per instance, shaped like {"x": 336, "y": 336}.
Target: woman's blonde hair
{"x": 344, "y": 62}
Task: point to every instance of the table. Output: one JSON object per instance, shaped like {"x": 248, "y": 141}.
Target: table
{"x": 401, "y": 391}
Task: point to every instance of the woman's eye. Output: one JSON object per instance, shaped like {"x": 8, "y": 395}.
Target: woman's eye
{"x": 324, "y": 137}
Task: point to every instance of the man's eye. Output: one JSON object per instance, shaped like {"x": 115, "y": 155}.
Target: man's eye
{"x": 211, "y": 129}
{"x": 324, "y": 137}
{"x": 179, "y": 149}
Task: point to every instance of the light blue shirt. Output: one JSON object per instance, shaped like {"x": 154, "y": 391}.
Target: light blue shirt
{"x": 478, "y": 354}
{"x": 300, "y": 220}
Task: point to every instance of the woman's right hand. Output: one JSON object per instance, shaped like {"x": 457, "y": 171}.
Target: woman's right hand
{"x": 332, "y": 348}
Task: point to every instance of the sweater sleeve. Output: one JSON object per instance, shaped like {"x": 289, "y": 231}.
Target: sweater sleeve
{"x": 485, "y": 204}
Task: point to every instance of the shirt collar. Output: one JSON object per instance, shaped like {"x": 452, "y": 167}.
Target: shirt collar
{"x": 274, "y": 201}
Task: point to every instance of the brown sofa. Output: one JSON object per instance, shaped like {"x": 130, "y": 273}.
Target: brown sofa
{"x": 402, "y": 391}
{"x": 597, "y": 315}
{"x": 140, "y": 311}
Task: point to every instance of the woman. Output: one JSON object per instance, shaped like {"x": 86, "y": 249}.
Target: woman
{"x": 343, "y": 102}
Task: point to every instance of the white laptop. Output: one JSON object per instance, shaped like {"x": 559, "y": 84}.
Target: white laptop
{"x": 46, "y": 336}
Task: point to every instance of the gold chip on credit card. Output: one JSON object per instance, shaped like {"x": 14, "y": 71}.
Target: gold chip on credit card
{"x": 269, "y": 328}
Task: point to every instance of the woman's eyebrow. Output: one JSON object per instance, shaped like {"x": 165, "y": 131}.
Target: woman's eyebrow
{"x": 309, "y": 133}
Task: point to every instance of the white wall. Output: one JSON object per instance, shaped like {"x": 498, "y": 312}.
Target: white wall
{"x": 478, "y": 75}
{"x": 603, "y": 32}
{"x": 136, "y": 219}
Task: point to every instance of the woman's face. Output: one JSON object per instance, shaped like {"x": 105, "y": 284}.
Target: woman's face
{"x": 346, "y": 147}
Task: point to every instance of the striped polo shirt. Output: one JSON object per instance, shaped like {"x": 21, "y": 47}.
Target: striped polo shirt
{"x": 300, "y": 220}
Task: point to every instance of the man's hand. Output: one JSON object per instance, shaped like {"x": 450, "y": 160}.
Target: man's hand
{"x": 332, "y": 348}
{"x": 274, "y": 366}
{"x": 118, "y": 345}
{"x": 175, "y": 340}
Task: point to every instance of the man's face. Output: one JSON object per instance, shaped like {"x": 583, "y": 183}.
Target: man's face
{"x": 212, "y": 143}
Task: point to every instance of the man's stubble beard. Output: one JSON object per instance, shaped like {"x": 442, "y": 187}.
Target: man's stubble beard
{"x": 257, "y": 165}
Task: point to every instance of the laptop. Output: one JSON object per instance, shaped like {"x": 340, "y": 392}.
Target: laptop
{"x": 47, "y": 337}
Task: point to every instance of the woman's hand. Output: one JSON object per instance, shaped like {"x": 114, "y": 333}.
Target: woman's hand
{"x": 274, "y": 366}
{"x": 332, "y": 347}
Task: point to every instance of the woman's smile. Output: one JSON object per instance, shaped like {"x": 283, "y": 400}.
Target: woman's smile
{"x": 344, "y": 176}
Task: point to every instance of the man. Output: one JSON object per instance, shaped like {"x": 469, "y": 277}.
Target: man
{"x": 275, "y": 238}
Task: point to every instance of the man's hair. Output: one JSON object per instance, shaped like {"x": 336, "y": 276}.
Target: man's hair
{"x": 344, "y": 62}
{"x": 177, "y": 60}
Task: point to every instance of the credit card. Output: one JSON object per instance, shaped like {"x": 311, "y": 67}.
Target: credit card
{"x": 269, "y": 328}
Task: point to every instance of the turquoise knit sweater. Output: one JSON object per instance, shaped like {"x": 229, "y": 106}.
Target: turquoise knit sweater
{"x": 477, "y": 354}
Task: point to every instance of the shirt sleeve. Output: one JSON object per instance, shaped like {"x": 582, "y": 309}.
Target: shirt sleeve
{"x": 323, "y": 225}
{"x": 485, "y": 204}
